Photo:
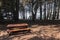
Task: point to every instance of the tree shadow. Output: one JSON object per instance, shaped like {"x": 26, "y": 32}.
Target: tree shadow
{"x": 45, "y": 22}
{"x": 40, "y": 38}
{"x": 5, "y": 37}
{"x": 57, "y": 25}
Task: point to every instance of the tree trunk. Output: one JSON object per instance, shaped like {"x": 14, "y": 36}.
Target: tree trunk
{"x": 54, "y": 12}
{"x": 58, "y": 10}
{"x": 45, "y": 11}
{"x": 17, "y": 9}
{"x": 35, "y": 6}
{"x": 40, "y": 10}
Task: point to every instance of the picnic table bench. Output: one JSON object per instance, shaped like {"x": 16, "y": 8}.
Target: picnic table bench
{"x": 17, "y": 27}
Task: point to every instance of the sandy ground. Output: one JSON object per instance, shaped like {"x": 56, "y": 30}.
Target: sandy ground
{"x": 38, "y": 32}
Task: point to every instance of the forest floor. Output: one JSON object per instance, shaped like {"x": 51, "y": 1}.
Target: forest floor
{"x": 38, "y": 32}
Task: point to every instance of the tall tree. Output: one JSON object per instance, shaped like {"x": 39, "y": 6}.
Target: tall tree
{"x": 44, "y": 9}
{"x": 40, "y": 10}
{"x": 54, "y": 11}
{"x": 0, "y": 8}
{"x": 58, "y": 10}
{"x": 35, "y": 5}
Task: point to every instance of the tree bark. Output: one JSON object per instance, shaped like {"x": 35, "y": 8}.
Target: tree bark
{"x": 40, "y": 10}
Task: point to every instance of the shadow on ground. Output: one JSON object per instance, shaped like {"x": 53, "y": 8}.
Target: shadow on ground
{"x": 37, "y": 38}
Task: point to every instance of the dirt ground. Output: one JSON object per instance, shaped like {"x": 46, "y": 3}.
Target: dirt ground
{"x": 38, "y": 32}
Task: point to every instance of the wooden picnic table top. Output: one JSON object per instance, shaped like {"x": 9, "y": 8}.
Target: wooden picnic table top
{"x": 17, "y": 25}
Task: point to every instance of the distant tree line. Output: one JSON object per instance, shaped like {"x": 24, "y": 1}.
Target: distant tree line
{"x": 13, "y": 6}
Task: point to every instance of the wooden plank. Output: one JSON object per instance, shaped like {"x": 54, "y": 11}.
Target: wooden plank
{"x": 17, "y": 25}
{"x": 27, "y": 29}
